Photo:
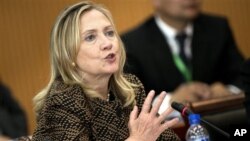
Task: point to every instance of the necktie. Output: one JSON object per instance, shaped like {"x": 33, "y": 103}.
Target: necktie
{"x": 180, "y": 37}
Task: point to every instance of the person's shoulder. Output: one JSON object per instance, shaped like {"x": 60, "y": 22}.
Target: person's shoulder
{"x": 140, "y": 29}
{"x": 66, "y": 98}
{"x": 139, "y": 90}
{"x": 4, "y": 89}
{"x": 132, "y": 78}
{"x": 62, "y": 93}
{"x": 137, "y": 84}
{"x": 206, "y": 18}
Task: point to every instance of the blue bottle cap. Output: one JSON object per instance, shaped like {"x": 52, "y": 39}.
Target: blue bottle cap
{"x": 194, "y": 119}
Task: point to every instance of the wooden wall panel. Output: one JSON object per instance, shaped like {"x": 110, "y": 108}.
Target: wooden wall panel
{"x": 128, "y": 13}
{"x": 25, "y": 28}
{"x": 237, "y": 12}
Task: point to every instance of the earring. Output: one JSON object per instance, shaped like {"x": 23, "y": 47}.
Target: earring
{"x": 73, "y": 64}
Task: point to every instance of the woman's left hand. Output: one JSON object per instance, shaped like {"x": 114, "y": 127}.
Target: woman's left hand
{"x": 148, "y": 125}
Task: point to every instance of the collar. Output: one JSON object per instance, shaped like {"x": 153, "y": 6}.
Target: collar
{"x": 169, "y": 31}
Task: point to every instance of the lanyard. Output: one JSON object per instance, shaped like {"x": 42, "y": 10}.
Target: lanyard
{"x": 182, "y": 68}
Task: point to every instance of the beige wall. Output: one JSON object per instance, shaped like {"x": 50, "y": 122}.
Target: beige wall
{"x": 25, "y": 27}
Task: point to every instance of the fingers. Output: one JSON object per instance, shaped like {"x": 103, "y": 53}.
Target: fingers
{"x": 147, "y": 125}
{"x": 134, "y": 114}
{"x": 163, "y": 116}
{"x": 169, "y": 124}
{"x": 147, "y": 103}
{"x": 157, "y": 106}
{"x": 164, "y": 123}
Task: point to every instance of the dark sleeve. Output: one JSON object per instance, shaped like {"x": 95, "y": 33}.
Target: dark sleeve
{"x": 140, "y": 97}
{"x": 131, "y": 64}
{"x": 232, "y": 58}
{"x": 12, "y": 117}
{"x": 62, "y": 119}
{"x": 245, "y": 78}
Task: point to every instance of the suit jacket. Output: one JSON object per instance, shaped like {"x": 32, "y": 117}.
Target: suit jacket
{"x": 215, "y": 56}
{"x": 69, "y": 115}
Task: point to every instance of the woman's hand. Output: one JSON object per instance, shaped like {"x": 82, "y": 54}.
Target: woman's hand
{"x": 148, "y": 125}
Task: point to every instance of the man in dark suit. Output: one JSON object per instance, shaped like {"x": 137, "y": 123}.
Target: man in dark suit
{"x": 183, "y": 51}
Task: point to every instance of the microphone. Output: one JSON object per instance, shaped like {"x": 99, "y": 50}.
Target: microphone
{"x": 185, "y": 112}
{"x": 181, "y": 108}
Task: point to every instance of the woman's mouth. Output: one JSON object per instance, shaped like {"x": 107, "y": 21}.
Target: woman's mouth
{"x": 110, "y": 57}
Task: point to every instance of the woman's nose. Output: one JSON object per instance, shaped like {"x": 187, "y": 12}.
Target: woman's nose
{"x": 106, "y": 43}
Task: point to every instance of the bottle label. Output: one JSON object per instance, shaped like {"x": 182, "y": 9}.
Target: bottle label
{"x": 199, "y": 139}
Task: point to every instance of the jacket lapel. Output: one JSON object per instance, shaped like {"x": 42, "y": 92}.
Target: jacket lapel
{"x": 201, "y": 55}
{"x": 161, "y": 50}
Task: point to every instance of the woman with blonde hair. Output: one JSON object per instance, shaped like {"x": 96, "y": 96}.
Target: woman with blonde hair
{"x": 88, "y": 96}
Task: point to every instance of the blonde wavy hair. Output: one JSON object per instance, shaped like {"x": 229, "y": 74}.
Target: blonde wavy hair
{"x": 64, "y": 46}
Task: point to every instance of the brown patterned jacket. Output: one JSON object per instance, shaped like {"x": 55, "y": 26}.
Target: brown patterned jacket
{"x": 68, "y": 115}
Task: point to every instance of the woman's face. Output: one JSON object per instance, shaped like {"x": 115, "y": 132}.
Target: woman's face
{"x": 99, "y": 52}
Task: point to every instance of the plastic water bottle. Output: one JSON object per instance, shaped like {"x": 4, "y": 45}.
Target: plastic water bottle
{"x": 196, "y": 132}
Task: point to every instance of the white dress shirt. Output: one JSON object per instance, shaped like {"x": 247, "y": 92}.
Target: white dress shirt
{"x": 170, "y": 34}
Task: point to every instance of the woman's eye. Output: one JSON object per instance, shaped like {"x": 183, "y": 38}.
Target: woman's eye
{"x": 90, "y": 38}
{"x": 110, "y": 33}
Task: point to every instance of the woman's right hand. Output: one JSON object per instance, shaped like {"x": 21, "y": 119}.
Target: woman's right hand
{"x": 148, "y": 125}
